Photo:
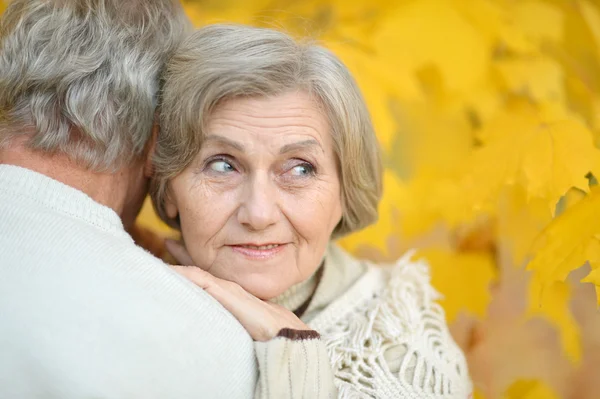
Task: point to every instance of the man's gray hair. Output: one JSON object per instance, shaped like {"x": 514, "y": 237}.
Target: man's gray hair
{"x": 219, "y": 62}
{"x": 80, "y": 77}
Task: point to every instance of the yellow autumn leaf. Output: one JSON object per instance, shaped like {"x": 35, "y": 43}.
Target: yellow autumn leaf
{"x": 591, "y": 15}
{"x": 428, "y": 200}
{"x": 595, "y": 119}
{"x": 539, "y": 20}
{"x": 530, "y": 389}
{"x": 551, "y": 302}
{"x": 565, "y": 244}
{"x": 570, "y": 199}
{"x": 520, "y": 220}
{"x": 462, "y": 278}
{"x": 480, "y": 104}
{"x": 446, "y": 41}
{"x": 494, "y": 21}
{"x": 362, "y": 60}
{"x": 522, "y": 146}
{"x": 374, "y": 89}
{"x": 557, "y": 157}
{"x": 539, "y": 77}
{"x": 579, "y": 55}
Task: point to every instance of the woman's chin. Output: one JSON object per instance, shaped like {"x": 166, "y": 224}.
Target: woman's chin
{"x": 265, "y": 289}
{"x": 264, "y": 293}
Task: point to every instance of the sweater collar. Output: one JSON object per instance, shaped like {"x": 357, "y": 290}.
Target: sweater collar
{"x": 56, "y": 196}
{"x": 337, "y": 273}
{"x": 297, "y": 295}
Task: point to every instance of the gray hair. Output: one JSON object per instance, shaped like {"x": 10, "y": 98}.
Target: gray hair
{"x": 80, "y": 77}
{"x": 220, "y": 62}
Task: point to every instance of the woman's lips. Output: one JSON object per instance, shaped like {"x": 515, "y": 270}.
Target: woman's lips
{"x": 254, "y": 251}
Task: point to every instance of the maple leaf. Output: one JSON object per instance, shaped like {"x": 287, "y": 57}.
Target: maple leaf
{"x": 496, "y": 22}
{"x": 426, "y": 201}
{"x": 539, "y": 21}
{"x": 591, "y": 16}
{"x": 523, "y": 147}
{"x": 520, "y": 221}
{"x": 568, "y": 242}
{"x": 540, "y": 77}
{"x": 445, "y": 39}
{"x": 377, "y": 87}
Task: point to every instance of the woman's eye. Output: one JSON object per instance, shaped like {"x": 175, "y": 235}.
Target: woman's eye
{"x": 304, "y": 169}
{"x": 221, "y": 166}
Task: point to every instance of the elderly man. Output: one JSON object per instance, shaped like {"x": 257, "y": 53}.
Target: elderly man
{"x": 83, "y": 311}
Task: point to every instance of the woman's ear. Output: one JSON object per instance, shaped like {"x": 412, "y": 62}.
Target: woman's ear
{"x": 151, "y": 146}
{"x": 171, "y": 209}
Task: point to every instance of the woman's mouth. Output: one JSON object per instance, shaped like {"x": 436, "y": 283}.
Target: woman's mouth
{"x": 261, "y": 247}
{"x": 258, "y": 251}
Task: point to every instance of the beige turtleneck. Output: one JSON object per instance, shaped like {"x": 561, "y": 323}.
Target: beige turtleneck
{"x": 339, "y": 272}
{"x": 296, "y": 296}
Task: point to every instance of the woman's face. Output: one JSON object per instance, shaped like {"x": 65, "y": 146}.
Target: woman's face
{"x": 259, "y": 202}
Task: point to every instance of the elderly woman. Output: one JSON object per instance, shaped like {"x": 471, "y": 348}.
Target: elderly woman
{"x": 267, "y": 155}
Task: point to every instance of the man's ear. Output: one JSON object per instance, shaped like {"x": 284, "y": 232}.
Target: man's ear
{"x": 148, "y": 166}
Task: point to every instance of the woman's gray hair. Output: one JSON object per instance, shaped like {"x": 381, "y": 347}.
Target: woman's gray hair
{"x": 220, "y": 62}
{"x": 80, "y": 77}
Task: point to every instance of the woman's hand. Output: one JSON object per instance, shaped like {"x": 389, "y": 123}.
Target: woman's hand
{"x": 263, "y": 320}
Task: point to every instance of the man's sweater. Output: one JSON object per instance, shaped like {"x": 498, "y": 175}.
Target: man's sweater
{"x": 85, "y": 313}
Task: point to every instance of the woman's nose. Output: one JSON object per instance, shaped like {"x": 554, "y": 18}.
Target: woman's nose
{"x": 259, "y": 209}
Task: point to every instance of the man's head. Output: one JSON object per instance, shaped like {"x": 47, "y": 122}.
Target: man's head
{"x": 79, "y": 78}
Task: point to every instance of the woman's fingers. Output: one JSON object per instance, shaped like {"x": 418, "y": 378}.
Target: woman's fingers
{"x": 196, "y": 275}
{"x": 262, "y": 320}
{"x": 231, "y": 295}
{"x": 179, "y": 252}
{"x": 249, "y": 310}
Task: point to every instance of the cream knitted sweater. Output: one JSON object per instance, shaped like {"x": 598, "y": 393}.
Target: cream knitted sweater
{"x": 385, "y": 334}
{"x": 85, "y": 313}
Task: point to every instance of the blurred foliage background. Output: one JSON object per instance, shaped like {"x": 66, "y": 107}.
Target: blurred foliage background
{"x": 488, "y": 114}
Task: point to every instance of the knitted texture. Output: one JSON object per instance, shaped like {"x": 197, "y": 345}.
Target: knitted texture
{"x": 387, "y": 338}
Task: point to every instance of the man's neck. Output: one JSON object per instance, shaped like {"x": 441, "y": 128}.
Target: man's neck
{"x": 109, "y": 189}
